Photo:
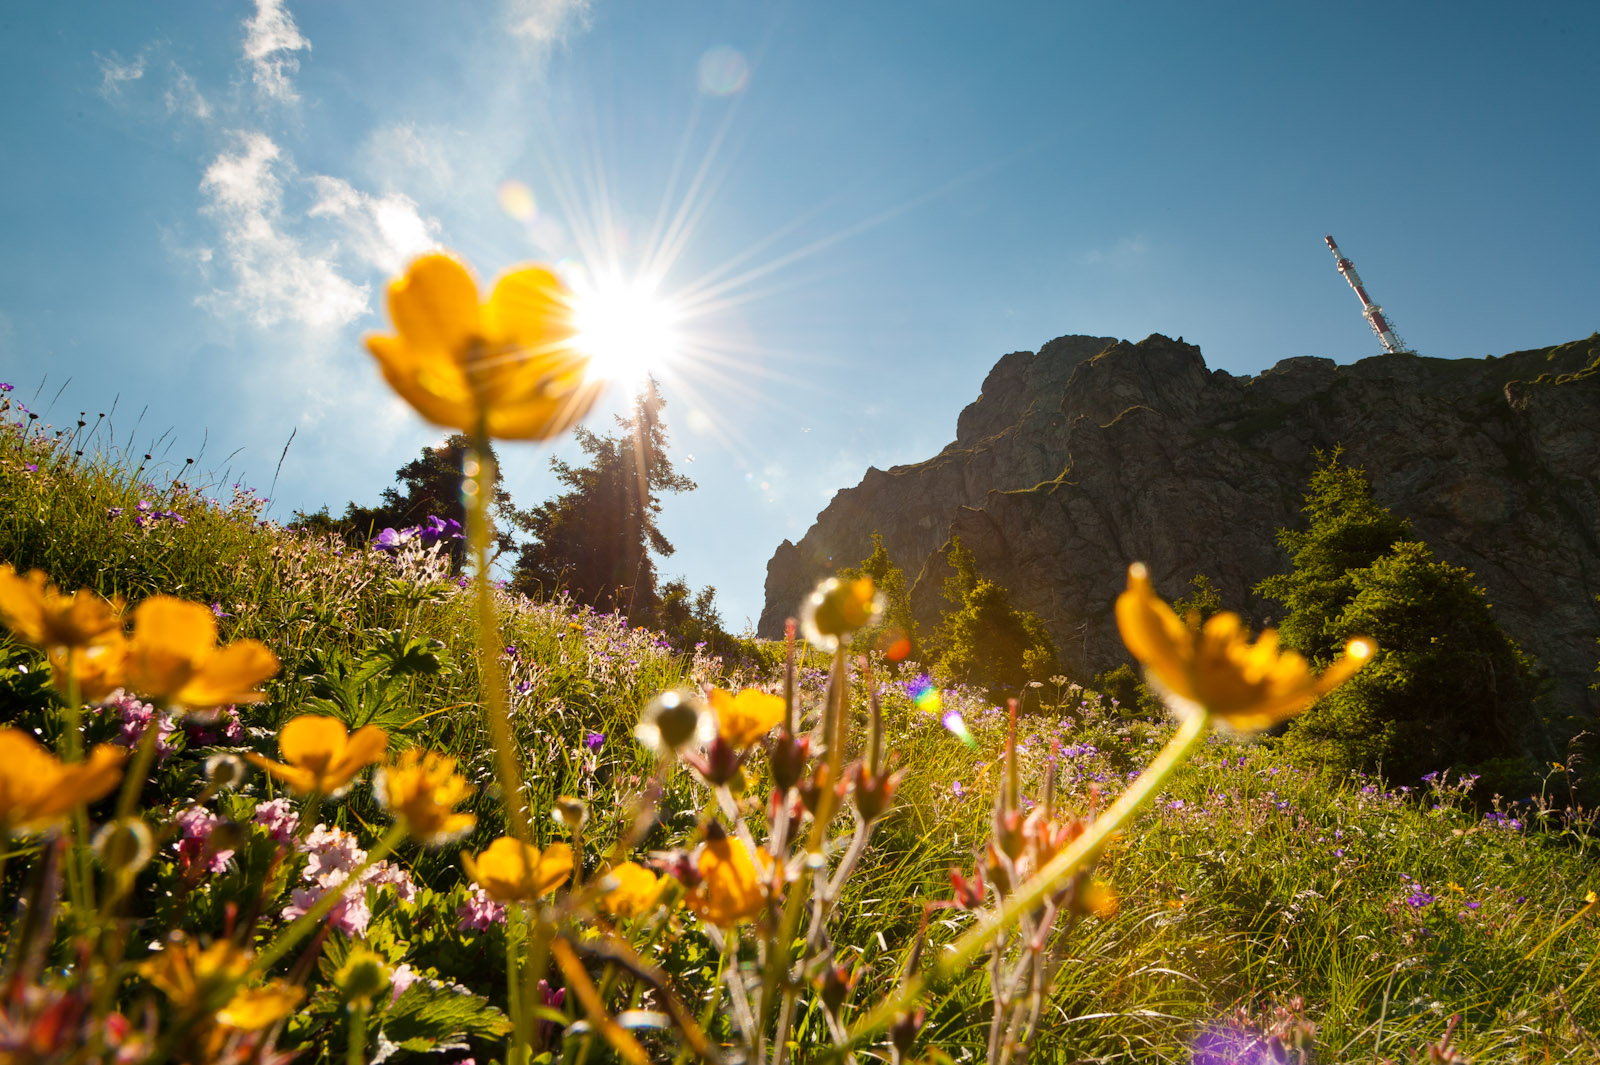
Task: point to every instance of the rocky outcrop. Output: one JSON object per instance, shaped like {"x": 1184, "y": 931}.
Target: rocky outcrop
{"x": 1093, "y": 452}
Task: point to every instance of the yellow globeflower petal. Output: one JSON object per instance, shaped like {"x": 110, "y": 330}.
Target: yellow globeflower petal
{"x": 731, "y": 887}
{"x": 509, "y": 365}
{"x": 256, "y": 1008}
{"x": 746, "y": 718}
{"x": 37, "y": 790}
{"x": 531, "y": 308}
{"x": 173, "y": 657}
{"x": 636, "y": 891}
{"x": 511, "y": 871}
{"x": 435, "y": 305}
{"x": 320, "y": 755}
{"x": 421, "y": 789}
{"x": 41, "y": 615}
{"x": 99, "y": 670}
{"x": 230, "y": 676}
{"x": 1215, "y": 667}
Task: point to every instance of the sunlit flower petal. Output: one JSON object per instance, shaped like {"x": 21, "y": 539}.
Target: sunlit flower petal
{"x": 1215, "y": 668}
{"x": 255, "y": 1008}
{"x": 422, "y": 789}
{"x": 746, "y": 718}
{"x": 37, "y": 790}
{"x": 636, "y": 892}
{"x": 173, "y": 657}
{"x": 512, "y": 871}
{"x": 38, "y": 613}
{"x": 732, "y": 888}
{"x": 321, "y": 756}
{"x": 510, "y": 364}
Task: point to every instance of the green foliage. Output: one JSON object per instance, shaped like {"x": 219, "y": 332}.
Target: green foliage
{"x": 983, "y": 640}
{"x": 691, "y": 618}
{"x": 596, "y": 540}
{"x": 1347, "y": 531}
{"x": 1126, "y": 693}
{"x": 1203, "y": 598}
{"x": 1447, "y": 687}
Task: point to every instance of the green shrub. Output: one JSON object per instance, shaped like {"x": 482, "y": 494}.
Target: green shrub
{"x": 1447, "y": 687}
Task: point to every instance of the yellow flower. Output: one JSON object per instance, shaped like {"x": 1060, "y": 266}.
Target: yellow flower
{"x": 173, "y": 657}
{"x": 636, "y": 892}
{"x": 837, "y": 608}
{"x": 37, "y": 790}
{"x": 39, "y": 614}
{"x": 1215, "y": 667}
{"x": 510, "y": 363}
{"x": 512, "y": 871}
{"x": 255, "y": 1008}
{"x": 192, "y": 976}
{"x": 98, "y": 669}
{"x": 322, "y": 755}
{"x": 731, "y": 887}
{"x": 746, "y": 718}
{"x": 421, "y": 789}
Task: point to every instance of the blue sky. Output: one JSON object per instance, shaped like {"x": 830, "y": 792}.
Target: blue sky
{"x": 201, "y": 204}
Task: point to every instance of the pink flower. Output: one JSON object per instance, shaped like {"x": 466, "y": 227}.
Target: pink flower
{"x": 197, "y": 825}
{"x": 135, "y": 717}
{"x": 479, "y": 912}
{"x": 279, "y": 819}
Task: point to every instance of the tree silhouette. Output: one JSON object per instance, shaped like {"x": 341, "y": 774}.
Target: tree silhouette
{"x": 596, "y": 540}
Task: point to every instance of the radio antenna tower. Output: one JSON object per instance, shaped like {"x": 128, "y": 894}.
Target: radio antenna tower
{"x": 1369, "y": 310}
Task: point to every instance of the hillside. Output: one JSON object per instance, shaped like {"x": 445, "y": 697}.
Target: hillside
{"x": 1093, "y": 452}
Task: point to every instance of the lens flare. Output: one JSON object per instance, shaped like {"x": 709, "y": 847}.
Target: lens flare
{"x": 627, "y": 328}
{"x": 723, "y": 71}
{"x": 516, "y": 200}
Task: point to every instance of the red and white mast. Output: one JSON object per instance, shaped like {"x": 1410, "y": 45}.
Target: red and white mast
{"x": 1369, "y": 310}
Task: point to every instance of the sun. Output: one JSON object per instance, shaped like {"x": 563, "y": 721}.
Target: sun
{"x": 628, "y": 329}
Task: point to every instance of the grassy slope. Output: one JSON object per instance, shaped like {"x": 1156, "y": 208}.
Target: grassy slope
{"x": 1252, "y": 883}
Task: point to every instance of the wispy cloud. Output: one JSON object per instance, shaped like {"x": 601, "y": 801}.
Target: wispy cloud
{"x": 183, "y": 96}
{"x": 385, "y": 231}
{"x": 275, "y": 275}
{"x": 543, "y": 23}
{"x": 271, "y": 40}
{"x": 115, "y": 72}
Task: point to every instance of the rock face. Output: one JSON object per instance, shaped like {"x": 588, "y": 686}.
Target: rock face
{"x": 1094, "y": 452}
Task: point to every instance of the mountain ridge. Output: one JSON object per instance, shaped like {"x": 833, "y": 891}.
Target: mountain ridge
{"x": 1093, "y": 452}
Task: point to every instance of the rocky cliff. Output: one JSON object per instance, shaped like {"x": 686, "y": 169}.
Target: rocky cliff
{"x": 1094, "y": 452}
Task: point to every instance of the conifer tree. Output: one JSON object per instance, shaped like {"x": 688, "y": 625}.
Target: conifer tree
{"x": 596, "y": 540}
{"x": 984, "y": 640}
{"x": 1447, "y": 689}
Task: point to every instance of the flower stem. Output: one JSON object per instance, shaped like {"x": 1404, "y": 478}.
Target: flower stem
{"x": 958, "y": 955}
{"x": 478, "y": 487}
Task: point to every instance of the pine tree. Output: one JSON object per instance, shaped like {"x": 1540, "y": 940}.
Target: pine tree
{"x": 984, "y": 640}
{"x": 596, "y": 540}
{"x": 428, "y": 486}
{"x": 1447, "y": 688}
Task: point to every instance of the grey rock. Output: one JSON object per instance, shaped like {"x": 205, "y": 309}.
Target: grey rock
{"x": 1094, "y": 452}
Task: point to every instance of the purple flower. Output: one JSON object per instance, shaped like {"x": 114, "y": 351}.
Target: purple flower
{"x": 5, "y": 387}
{"x": 958, "y": 789}
{"x": 113, "y": 512}
{"x": 594, "y": 740}
{"x": 217, "y": 611}
{"x": 391, "y": 540}
{"x": 436, "y": 528}
{"x": 32, "y": 467}
{"x": 135, "y": 717}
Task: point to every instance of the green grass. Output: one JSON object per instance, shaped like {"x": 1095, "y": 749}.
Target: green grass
{"x": 1252, "y": 884}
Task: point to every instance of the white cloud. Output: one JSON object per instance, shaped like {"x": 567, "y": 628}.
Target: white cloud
{"x": 270, "y": 40}
{"x": 116, "y": 72}
{"x": 275, "y": 276}
{"x": 546, "y": 22}
{"x": 183, "y": 96}
{"x": 385, "y": 231}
